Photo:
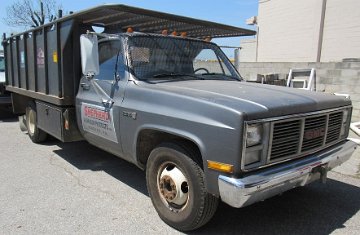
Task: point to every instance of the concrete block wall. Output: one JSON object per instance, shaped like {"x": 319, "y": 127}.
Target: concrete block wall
{"x": 340, "y": 77}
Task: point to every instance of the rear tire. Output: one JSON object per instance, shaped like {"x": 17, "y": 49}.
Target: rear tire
{"x": 36, "y": 135}
{"x": 176, "y": 184}
{"x": 22, "y": 123}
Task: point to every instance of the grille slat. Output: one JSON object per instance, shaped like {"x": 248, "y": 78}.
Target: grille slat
{"x": 284, "y": 141}
{"x": 333, "y": 132}
{"x": 282, "y": 149}
{"x": 312, "y": 145}
{"x": 291, "y": 144}
{"x": 288, "y": 150}
{"x": 311, "y": 126}
{"x": 284, "y": 133}
{"x": 284, "y": 152}
{"x": 286, "y": 137}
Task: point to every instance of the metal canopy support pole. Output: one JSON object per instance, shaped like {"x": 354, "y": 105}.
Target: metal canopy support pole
{"x": 321, "y": 30}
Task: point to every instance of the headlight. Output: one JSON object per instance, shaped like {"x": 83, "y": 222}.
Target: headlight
{"x": 254, "y": 135}
{"x": 254, "y": 153}
{"x": 252, "y": 157}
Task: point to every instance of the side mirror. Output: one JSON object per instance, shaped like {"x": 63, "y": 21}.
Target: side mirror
{"x": 89, "y": 55}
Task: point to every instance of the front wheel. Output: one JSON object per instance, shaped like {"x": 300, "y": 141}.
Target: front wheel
{"x": 176, "y": 185}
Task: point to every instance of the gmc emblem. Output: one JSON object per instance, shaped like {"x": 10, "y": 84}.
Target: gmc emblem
{"x": 314, "y": 133}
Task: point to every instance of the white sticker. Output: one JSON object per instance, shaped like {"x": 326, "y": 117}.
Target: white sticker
{"x": 98, "y": 121}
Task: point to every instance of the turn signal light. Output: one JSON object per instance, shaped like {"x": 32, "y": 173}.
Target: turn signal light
{"x": 207, "y": 39}
{"x": 183, "y": 34}
{"x": 218, "y": 166}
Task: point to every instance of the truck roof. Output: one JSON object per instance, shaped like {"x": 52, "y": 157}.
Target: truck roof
{"x": 118, "y": 18}
{"x": 142, "y": 34}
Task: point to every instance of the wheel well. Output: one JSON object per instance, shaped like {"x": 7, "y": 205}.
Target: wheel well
{"x": 20, "y": 102}
{"x": 149, "y": 139}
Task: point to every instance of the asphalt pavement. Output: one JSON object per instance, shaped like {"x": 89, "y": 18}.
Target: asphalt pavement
{"x": 75, "y": 188}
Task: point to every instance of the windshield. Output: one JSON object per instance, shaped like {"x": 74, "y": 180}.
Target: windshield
{"x": 154, "y": 57}
{"x": 2, "y": 64}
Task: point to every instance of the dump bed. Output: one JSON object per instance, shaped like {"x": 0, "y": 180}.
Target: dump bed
{"x": 44, "y": 63}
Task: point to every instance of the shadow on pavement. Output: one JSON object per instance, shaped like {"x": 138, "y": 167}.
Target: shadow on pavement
{"x": 84, "y": 156}
{"x": 315, "y": 209}
{"x": 6, "y": 115}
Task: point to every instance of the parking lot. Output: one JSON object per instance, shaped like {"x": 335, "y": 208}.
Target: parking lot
{"x": 58, "y": 188}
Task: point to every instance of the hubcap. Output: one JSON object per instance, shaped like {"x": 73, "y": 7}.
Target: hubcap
{"x": 31, "y": 122}
{"x": 173, "y": 186}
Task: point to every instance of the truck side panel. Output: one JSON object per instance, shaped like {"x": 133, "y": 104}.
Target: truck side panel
{"x": 30, "y": 60}
{"x": 21, "y": 57}
{"x": 58, "y": 122}
{"x": 45, "y": 63}
{"x": 40, "y": 56}
{"x": 53, "y": 62}
{"x": 14, "y": 61}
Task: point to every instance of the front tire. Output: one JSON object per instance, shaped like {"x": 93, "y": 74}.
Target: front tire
{"x": 176, "y": 184}
{"x": 36, "y": 135}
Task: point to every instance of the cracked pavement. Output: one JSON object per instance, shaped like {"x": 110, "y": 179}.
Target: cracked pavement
{"x": 75, "y": 188}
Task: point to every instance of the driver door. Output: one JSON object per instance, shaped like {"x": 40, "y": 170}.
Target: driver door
{"x": 99, "y": 99}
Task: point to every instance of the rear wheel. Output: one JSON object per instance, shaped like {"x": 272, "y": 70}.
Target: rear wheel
{"x": 36, "y": 135}
{"x": 176, "y": 185}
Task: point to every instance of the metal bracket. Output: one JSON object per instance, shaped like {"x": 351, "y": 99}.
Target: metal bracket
{"x": 107, "y": 103}
{"x": 89, "y": 75}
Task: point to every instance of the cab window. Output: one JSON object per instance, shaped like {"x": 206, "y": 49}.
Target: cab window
{"x": 108, "y": 53}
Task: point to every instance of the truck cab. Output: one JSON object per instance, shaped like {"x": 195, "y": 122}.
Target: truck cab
{"x": 143, "y": 65}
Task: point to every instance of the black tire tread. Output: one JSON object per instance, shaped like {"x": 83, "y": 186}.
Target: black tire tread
{"x": 209, "y": 201}
{"x": 39, "y": 135}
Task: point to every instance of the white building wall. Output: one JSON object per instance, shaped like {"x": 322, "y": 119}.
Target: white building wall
{"x": 248, "y": 50}
{"x": 342, "y": 30}
{"x": 288, "y": 30}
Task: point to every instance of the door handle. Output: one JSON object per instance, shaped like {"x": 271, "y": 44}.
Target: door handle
{"x": 85, "y": 86}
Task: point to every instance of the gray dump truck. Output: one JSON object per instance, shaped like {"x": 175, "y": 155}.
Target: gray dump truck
{"x": 154, "y": 91}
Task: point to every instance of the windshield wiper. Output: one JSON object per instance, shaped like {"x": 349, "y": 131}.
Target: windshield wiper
{"x": 220, "y": 74}
{"x": 163, "y": 75}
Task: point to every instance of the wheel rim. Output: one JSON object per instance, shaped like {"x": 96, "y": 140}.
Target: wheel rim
{"x": 173, "y": 187}
{"x": 31, "y": 121}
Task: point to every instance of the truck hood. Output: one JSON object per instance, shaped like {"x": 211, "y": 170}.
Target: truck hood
{"x": 255, "y": 101}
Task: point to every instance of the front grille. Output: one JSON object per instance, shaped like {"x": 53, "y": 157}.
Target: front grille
{"x": 298, "y": 136}
{"x": 286, "y": 137}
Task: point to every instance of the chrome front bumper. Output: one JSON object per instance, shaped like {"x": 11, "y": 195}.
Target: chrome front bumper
{"x": 270, "y": 182}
